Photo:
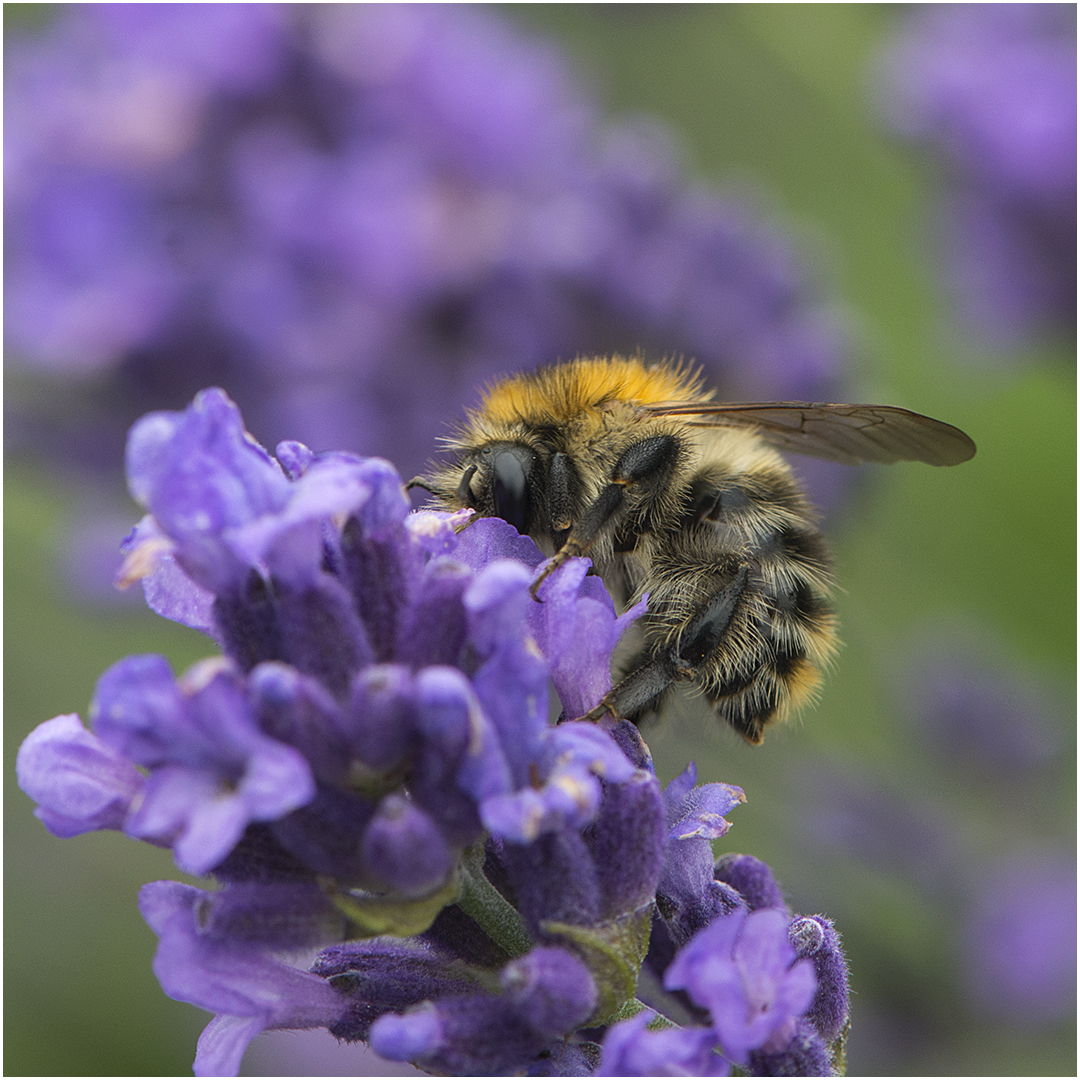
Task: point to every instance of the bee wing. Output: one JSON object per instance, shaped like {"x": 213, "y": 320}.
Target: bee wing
{"x": 847, "y": 433}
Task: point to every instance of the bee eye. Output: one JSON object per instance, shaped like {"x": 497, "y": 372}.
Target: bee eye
{"x": 511, "y": 489}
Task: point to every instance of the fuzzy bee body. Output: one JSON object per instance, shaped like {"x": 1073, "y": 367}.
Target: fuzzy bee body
{"x": 688, "y": 501}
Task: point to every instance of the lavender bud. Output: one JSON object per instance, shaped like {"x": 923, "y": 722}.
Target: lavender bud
{"x": 404, "y": 849}
{"x": 752, "y": 879}
{"x": 815, "y": 938}
{"x": 417, "y": 1033}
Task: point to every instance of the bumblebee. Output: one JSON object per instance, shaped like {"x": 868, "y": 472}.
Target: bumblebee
{"x": 686, "y": 500}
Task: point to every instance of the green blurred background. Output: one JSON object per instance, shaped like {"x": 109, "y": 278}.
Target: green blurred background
{"x": 778, "y": 97}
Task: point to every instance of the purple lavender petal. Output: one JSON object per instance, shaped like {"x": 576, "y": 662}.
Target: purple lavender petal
{"x": 565, "y": 790}
{"x": 380, "y": 718}
{"x": 192, "y": 812}
{"x": 80, "y": 782}
{"x": 554, "y": 878}
{"x": 454, "y": 748}
{"x": 628, "y": 844}
{"x": 498, "y": 602}
{"x": 298, "y": 710}
{"x": 228, "y": 978}
{"x": 743, "y": 969}
{"x": 202, "y": 476}
{"x": 138, "y": 710}
{"x": 577, "y": 630}
{"x": 804, "y": 1055}
{"x": 586, "y": 746}
{"x": 289, "y": 542}
{"x": 677, "y": 790}
{"x": 388, "y": 507}
{"x": 223, "y": 1043}
{"x": 487, "y": 540}
{"x": 381, "y": 572}
{"x": 552, "y": 988}
{"x": 434, "y": 627}
{"x": 546, "y": 994}
{"x": 511, "y": 681}
{"x": 688, "y": 896}
{"x": 279, "y": 915}
{"x": 168, "y": 590}
{"x": 294, "y": 457}
{"x": 630, "y": 1049}
{"x": 702, "y": 812}
{"x": 435, "y": 530}
{"x": 319, "y": 631}
{"x": 212, "y": 770}
{"x": 325, "y": 833}
{"x": 203, "y": 816}
{"x": 518, "y": 817}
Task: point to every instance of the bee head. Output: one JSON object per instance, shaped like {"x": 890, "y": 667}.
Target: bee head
{"x": 500, "y": 481}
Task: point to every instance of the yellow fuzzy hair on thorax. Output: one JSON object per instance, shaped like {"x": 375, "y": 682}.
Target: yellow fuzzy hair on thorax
{"x": 561, "y": 391}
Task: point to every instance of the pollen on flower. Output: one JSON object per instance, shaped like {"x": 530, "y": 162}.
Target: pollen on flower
{"x": 202, "y": 673}
{"x": 142, "y": 561}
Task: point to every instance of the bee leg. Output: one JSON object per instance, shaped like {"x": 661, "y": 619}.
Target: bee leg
{"x": 638, "y": 690}
{"x": 700, "y": 637}
{"x": 647, "y": 462}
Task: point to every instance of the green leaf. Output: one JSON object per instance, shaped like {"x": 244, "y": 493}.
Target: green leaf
{"x": 374, "y": 915}
{"x": 614, "y": 952}
{"x": 495, "y": 915}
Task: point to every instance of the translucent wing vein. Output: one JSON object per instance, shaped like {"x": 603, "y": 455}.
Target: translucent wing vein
{"x": 846, "y": 433}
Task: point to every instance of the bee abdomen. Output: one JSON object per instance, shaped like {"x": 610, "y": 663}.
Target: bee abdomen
{"x": 771, "y": 658}
{"x": 740, "y": 602}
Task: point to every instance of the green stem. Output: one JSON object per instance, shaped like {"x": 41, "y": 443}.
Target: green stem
{"x": 484, "y": 903}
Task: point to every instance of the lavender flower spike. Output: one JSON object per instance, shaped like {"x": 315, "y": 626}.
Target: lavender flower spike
{"x": 370, "y": 775}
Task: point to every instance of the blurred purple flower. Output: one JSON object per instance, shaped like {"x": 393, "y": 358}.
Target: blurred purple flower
{"x": 976, "y": 708}
{"x": 1019, "y": 962}
{"x": 351, "y": 216}
{"x": 878, "y": 823}
{"x": 990, "y": 91}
